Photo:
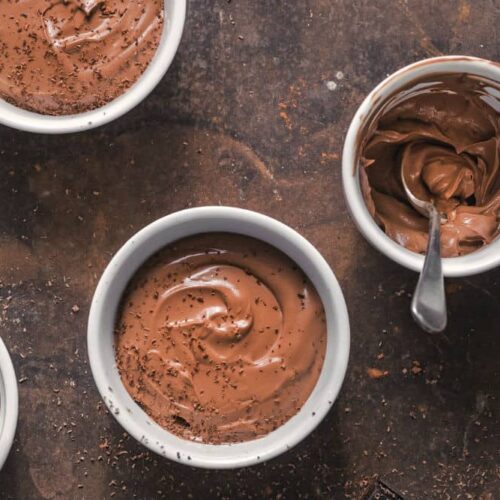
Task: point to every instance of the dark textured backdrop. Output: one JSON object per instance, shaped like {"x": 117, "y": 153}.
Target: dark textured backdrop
{"x": 246, "y": 117}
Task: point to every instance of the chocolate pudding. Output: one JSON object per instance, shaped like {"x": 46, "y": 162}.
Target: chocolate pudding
{"x": 445, "y": 133}
{"x": 62, "y": 57}
{"x": 220, "y": 338}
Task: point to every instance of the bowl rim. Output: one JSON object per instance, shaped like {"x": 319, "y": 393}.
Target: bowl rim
{"x": 29, "y": 121}
{"x": 224, "y": 456}
{"x": 9, "y": 409}
{"x": 479, "y": 261}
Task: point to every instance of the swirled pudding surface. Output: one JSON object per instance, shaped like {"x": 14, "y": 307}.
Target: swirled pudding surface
{"x": 220, "y": 338}
{"x": 445, "y": 133}
{"x": 68, "y": 56}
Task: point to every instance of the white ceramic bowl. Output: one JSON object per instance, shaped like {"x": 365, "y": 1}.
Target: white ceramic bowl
{"x": 8, "y": 403}
{"x": 476, "y": 262}
{"x": 15, "y": 117}
{"x": 102, "y": 321}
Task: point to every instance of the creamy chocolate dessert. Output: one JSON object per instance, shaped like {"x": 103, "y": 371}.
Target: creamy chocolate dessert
{"x": 220, "y": 338}
{"x": 445, "y": 133}
{"x": 62, "y": 57}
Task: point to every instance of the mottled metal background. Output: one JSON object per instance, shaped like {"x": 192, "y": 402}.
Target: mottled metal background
{"x": 253, "y": 113}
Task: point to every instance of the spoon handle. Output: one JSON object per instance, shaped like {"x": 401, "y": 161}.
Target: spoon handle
{"x": 429, "y": 300}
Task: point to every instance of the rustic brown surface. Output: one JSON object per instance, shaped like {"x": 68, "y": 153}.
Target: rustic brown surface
{"x": 245, "y": 117}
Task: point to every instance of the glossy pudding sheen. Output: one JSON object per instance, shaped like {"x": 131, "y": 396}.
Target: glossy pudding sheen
{"x": 220, "y": 338}
{"x": 63, "y": 57}
{"x": 445, "y": 133}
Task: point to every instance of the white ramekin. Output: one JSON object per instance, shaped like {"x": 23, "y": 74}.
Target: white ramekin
{"x": 476, "y": 262}
{"x": 8, "y": 403}
{"x": 102, "y": 321}
{"x": 15, "y": 117}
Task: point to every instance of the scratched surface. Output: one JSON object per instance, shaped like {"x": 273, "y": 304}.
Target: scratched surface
{"x": 253, "y": 113}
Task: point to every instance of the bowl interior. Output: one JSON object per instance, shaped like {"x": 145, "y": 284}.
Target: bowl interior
{"x": 102, "y": 321}
{"x": 479, "y": 261}
{"x": 12, "y": 116}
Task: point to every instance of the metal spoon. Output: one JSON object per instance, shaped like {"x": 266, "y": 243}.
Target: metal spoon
{"x": 428, "y": 305}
